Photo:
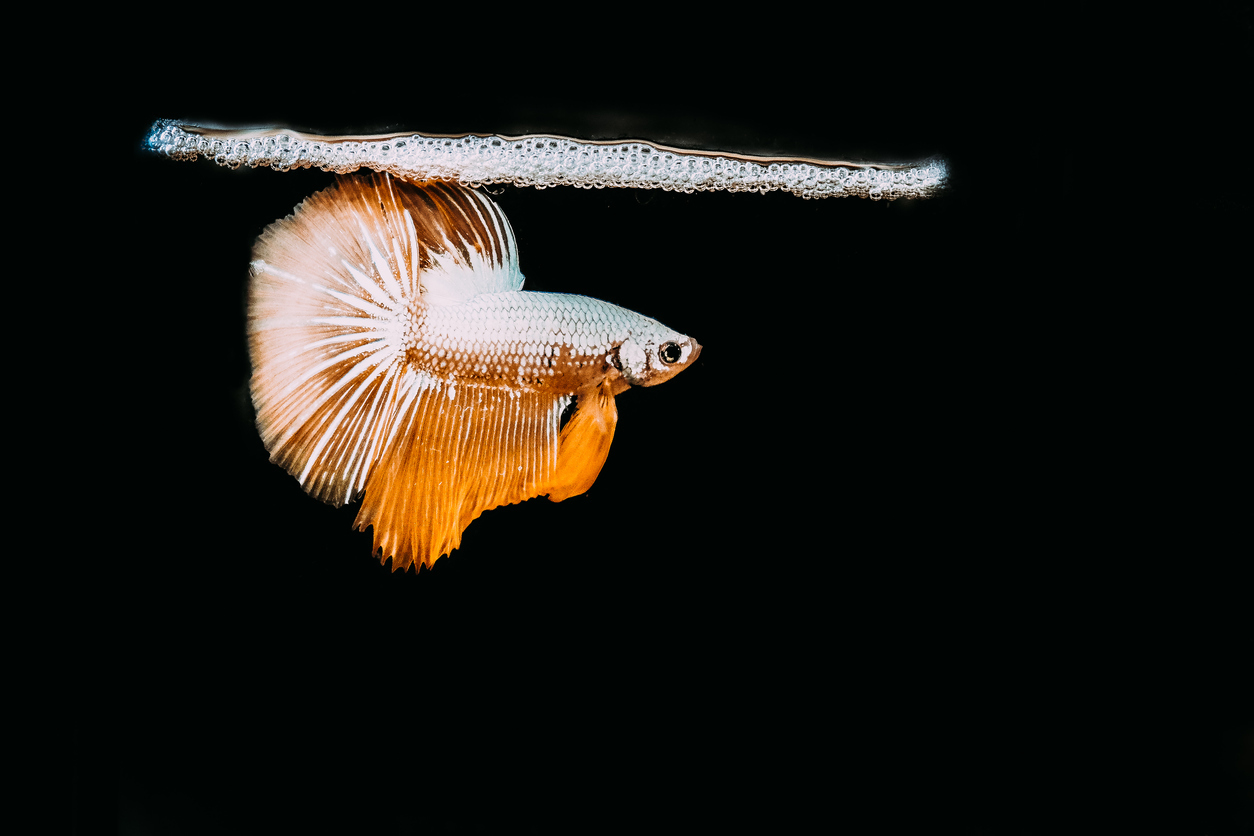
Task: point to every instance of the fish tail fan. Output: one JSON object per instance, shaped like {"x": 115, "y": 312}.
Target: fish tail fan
{"x": 339, "y": 289}
{"x": 585, "y": 443}
{"x": 334, "y": 287}
{"x": 456, "y": 451}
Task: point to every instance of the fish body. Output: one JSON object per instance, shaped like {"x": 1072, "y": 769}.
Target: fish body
{"x": 397, "y": 358}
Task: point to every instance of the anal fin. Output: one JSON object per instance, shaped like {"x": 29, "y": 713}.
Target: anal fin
{"x": 455, "y": 452}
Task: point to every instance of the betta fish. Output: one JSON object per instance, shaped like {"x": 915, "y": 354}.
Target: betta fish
{"x": 397, "y": 358}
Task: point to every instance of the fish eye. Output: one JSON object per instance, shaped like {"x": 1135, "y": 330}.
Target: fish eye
{"x": 670, "y": 353}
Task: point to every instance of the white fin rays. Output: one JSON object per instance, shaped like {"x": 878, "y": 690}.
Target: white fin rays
{"x": 327, "y": 327}
{"x": 338, "y": 294}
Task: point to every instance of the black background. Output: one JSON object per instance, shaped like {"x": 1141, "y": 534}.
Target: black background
{"x": 890, "y": 554}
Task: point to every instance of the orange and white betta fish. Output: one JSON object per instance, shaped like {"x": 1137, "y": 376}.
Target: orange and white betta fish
{"x": 396, "y": 354}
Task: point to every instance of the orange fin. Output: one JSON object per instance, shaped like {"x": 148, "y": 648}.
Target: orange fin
{"x": 454, "y": 452}
{"x": 585, "y": 443}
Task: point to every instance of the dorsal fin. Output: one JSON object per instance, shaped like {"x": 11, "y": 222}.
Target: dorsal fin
{"x": 335, "y": 286}
{"x": 467, "y": 244}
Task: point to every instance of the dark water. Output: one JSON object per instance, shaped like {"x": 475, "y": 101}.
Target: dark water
{"x": 869, "y": 564}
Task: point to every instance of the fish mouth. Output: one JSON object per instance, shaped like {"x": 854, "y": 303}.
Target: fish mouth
{"x": 696, "y": 350}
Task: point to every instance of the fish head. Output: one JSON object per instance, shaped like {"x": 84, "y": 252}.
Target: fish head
{"x": 649, "y": 357}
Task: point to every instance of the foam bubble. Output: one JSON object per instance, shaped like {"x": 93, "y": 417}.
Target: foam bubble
{"x": 543, "y": 161}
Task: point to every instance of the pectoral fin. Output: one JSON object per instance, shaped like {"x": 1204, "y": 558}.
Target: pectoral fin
{"x": 584, "y": 443}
